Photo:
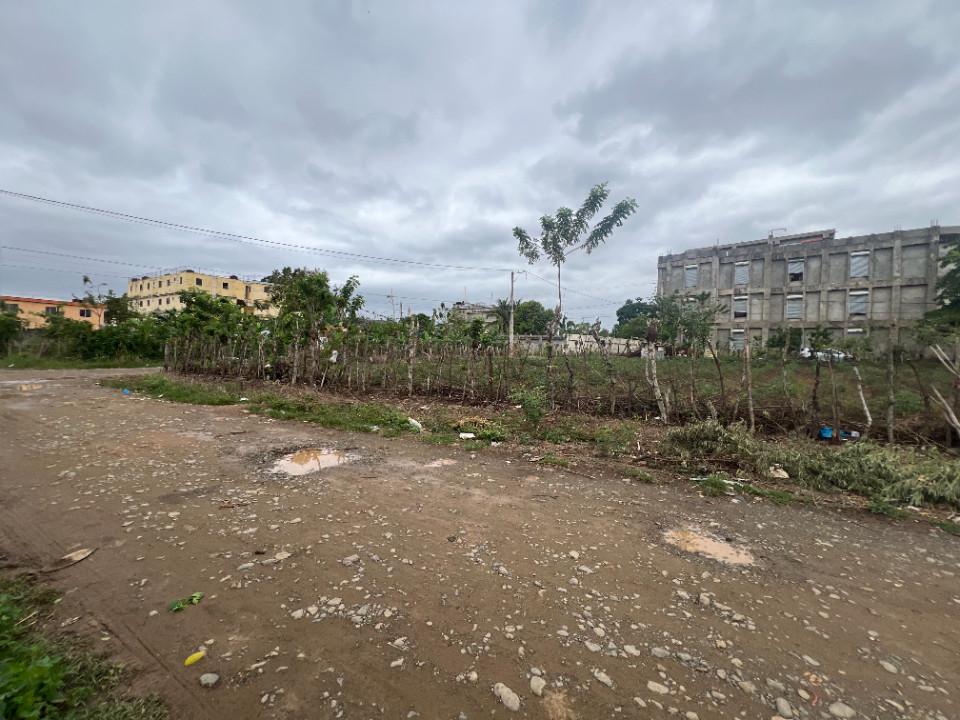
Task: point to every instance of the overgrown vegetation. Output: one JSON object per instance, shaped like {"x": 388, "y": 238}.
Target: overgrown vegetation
{"x": 887, "y": 474}
{"x": 43, "y": 676}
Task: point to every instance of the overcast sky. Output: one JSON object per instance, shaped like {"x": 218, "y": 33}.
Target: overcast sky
{"x": 426, "y": 131}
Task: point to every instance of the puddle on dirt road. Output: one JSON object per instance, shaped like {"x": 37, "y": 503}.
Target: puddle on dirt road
{"x": 310, "y": 460}
{"x": 694, "y": 541}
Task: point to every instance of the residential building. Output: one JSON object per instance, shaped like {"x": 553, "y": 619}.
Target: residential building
{"x": 157, "y": 293}
{"x": 469, "y": 312}
{"x": 876, "y": 284}
{"x": 35, "y": 311}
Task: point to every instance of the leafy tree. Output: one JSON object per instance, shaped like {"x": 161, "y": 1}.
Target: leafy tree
{"x": 531, "y": 318}
{"x": 10, "y": 326}
{"x": 633, "y": 318}
{"x": 567, "y": 231}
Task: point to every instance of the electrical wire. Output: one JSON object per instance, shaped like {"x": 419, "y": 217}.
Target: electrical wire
{"x": 237, "y": 237}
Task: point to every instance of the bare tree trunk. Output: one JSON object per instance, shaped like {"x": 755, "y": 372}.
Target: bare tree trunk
{"x": 411, "y": 356}
{"x": 835, "y": 400}
{"x": 748, "y": 369}
{"x": 863, "y": 401}
{"x": 815, "y": 395}
{"x": 891, "y": 391}
{"x": 783, "y": 371}
{"x": 723, "y": 391}
{"x": 661, "y": 402}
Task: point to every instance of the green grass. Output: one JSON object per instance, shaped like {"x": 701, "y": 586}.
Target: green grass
{"x": 638, "y": 474}
{"x": 362, "y": 417}
{"x": 879, "y": 506}
{"x": 42, "y": 676}
{"x": 780, "y": 497}
{"x": 948, "y": 526}
{"x": 714, "y": 484}
{"x": 896, "y": 475}
{"x": 555, "y": 461}
{"x": 36, "y": 362}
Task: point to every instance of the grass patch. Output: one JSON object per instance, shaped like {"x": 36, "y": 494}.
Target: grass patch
{"x": 948, "y": 526}
{"x": 638, "y": 474}
{"x": 185, "y": 392}
{"x": 879, "y": 506}
{"x": 361, "y": 417}
{"x": 42, "y": 676}
{"x": 36, "y": 362}
{"x": 896, "y": 475}
{"x": 780, "y": 497}
{"x": 555, "y": 461}
{"x": 714, "y": 484}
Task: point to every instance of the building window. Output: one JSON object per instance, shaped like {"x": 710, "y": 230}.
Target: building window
{"x": 199, "y": 281}
{"x": 11, "y": 308}
{"x": 740, "y": 308}
{"x": 51, "y": 310}
{"x": 181, "y": 279}
{"x": 736, "y": 340}
{"x": 86, "y": 312}
{"x": 141, "y": 303}
{"x": 226, "y": 286}
{"x": 141, "y": 286}
{"x": 857, "y": 302}
{"x": 168, "y": 283}
{"x": 860, "y": 264}
{"x": 794, "y": 310}
{"x": 854, "y": 331}
{"x": 795, "y": 269}
{"x": 741, "y": 273}
{"x": 690, "y": 276}
{"x": 168, "y": 301}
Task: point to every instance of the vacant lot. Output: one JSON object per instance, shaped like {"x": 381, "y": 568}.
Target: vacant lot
{"x": 409, "y": 579}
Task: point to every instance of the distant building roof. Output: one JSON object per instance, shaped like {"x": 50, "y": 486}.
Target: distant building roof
{"x": 46, "y": 301}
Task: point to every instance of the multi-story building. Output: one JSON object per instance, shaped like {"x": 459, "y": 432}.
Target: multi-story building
{"x": 468, "y": 312}
{"x": 156, "y": 293}
{"x": 33, "y": 312}
{"x": 874, "y": 284}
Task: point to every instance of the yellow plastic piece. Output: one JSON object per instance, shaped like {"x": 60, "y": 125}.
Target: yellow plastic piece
{"x": 195, "y": 658}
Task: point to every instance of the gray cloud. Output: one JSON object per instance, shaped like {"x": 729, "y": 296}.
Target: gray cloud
{"x": 427, "y": 131}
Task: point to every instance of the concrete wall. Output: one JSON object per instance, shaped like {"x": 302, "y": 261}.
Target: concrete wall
{"x": 899, "y": 285}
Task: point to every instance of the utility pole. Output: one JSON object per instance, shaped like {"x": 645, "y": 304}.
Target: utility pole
{"x": 510, "y": 333}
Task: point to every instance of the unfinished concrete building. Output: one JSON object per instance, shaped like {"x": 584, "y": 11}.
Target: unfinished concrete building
{"x": 869, "y": 284}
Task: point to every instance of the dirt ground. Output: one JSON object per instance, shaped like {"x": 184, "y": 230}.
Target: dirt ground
{"x": 420, "y": 581}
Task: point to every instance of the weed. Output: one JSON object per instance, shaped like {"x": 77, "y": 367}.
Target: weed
{"x": 533, "y": 402}
{"x": 440, "y": 438}
{"x": 554, "y": 460}
{"x": 639, "y": 474}
{"x": 37, "y": 362}
{"x": 879, "y": 506}
{"x": 780, "y": 497}
{"x": 43, "y": 677}
{"x": 177, "y": 391}
{"x": 902, "y": 475}
{"x": 948, "y": 526}
{"x": 714, "y": 484}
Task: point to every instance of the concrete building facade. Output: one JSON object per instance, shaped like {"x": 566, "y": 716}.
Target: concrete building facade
{"x": 157, "y": 293}
{"x": 868, "y": 284}
{"x": 33, "y": 312}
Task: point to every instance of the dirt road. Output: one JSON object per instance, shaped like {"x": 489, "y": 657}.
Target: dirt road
{"x": 413, "y": 580}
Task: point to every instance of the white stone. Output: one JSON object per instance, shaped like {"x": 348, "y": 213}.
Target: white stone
{"x": 537, "y": 684}
{"x": 507, "y": 696}
{"x": 842, "y": 710}
{"x": 602, "y": 677}
{"x": 658, "y": 688}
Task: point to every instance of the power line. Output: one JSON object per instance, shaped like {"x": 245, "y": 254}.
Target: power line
{"x": 237, "y": 237}
{"x": 79, "y": 257}
{"x": 88, "y": 273}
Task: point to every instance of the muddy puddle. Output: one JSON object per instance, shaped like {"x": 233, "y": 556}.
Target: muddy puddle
{"x": 694, "y": 541}
{"x": 310, "y": 460}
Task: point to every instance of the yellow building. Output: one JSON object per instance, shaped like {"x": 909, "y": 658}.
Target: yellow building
{"x": 156, "y": 293}
{"x": 34, "y": 311}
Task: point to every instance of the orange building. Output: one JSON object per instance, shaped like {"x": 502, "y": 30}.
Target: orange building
{"x": 34, "y": 311}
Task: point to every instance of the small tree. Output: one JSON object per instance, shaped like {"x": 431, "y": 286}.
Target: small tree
{"x": 10, "y": 326}
{"x": 567, "y": 231}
